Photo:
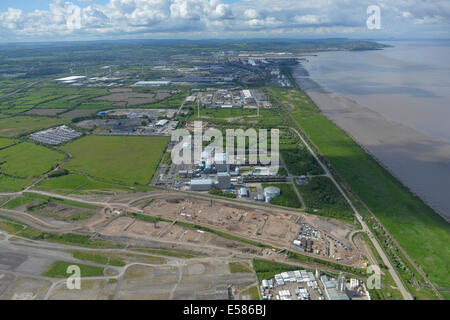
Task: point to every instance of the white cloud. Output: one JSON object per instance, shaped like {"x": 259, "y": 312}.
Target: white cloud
{"x": 251, "y": 14}
{"x": 178, "y": 18}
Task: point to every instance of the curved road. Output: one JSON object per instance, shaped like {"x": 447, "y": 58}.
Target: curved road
{"x": 406, "y": 295}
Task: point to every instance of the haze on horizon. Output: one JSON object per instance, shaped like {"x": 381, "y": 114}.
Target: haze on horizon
{"x": 56, "y": 20}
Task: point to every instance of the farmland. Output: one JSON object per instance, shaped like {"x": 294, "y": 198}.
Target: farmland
{"x": 77, "y": 183}
{"x": 6, "y": 142}
{"x": 12, "y": 127}
{"x": 123, "y": 160}
{"x": 26, "y": 161}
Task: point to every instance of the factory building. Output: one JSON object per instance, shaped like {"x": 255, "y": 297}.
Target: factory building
{"x": 220, "y": 160}
{"x": 224, "y": 180}
{"x": 333, "y": 289}
{"x": 243, "y": 192}
{"x": 161, "y": 123}
{"x": 201, "y": 184}
{"x": 186, "y": 173}
{"x": 152, "y": 83}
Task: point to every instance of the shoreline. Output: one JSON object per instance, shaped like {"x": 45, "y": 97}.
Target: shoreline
{"x": 417, "y": 160}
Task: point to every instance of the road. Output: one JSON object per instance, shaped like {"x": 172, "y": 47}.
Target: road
{"x": 406, "y": 295}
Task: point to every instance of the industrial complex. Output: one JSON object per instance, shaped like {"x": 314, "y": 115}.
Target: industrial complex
{"x": 306, "y": 285}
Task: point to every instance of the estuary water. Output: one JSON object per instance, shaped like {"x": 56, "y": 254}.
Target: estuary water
{"x": 396, "y": 103}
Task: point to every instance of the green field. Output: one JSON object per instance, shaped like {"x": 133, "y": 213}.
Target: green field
{"x": 6, "y": 142}
{"x": 123, "y": 160}
{"x": 239, "y": 267}
{"x": 100, "y": 258}
{"x": 287, "y": 198}
{"x": 323, "y": 198}
{"x": 34, "y": 202}
{"x": 66, "y": 238}
{"x": 59, "y": 270}
{"x": 22, "y": 162}
{"x": 10, "y": 226}
{"x": 299, "y": 161}
{"x": 418, "y": 229}
{"x": 77, "y": 183}
{"x": 238, "y": 118}
{"x": 8, "y": 184}
{"x": 15, "y": 126}
{"x": 268, "y": 269}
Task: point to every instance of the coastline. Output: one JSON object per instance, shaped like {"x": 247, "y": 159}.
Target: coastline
{"x": 417, "y": 160}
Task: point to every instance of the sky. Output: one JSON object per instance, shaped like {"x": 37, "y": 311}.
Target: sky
{"x": 56, "y": 20}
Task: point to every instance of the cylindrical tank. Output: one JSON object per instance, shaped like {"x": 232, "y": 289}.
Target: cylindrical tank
{"x": 272, "y": 192}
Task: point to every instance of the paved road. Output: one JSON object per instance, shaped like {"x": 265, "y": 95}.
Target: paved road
{"x": 406, "y": 295}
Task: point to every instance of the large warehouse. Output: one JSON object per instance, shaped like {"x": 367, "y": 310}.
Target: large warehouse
{"x": 201, "y": 184}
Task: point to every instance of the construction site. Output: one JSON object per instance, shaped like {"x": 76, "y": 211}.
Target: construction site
{"x": 177, "y": 218}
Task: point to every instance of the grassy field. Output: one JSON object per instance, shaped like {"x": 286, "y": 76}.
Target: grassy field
{"x": 8, "y": 184}
{"x": 239, "y": 267}
{"x": 323, "y": 198}
{"x": 6, "y": 142}
{"x": 288, "y": 197}
{"x": 268, "y": 269}
{"x": 16, "y": 126}
{"x": 27, "y": 198}
{"x": 100, "y": 258}
{"x": 59, "y": 270}
{"x": 22, "y": 162}
{"x": 299, "y": 161}
{"x": 77, "y": 183}
{"x": 418, "y": 229}
{"x": 67, "y": 238}
{"x": 238, "y": 118}
{"x": 9, "y": 226}
{"x": 123, "y": 160}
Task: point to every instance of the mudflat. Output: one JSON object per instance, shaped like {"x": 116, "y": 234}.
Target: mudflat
{"x": 420, "y": 162}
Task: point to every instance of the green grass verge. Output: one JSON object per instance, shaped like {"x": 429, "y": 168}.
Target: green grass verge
{"x": 67, "y": 238}
{"x": 100, "y": 258}
{"x": 59, "y": 270}
{"x": 9, "y": 226}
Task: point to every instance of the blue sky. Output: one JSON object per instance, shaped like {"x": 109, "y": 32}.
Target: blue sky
{"x": 52, "y": 20}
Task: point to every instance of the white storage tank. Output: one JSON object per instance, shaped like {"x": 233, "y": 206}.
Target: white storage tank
{"x": 272, "y": 192}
